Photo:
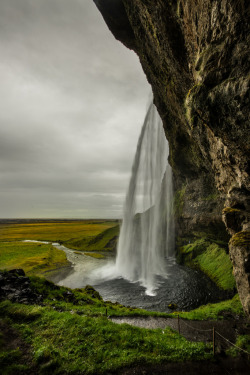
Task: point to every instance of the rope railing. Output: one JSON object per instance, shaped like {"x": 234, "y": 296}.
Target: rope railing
{"x": 197, "y": 329}
{"x": 232, "y": 343}
{"x": 214, "y": 332}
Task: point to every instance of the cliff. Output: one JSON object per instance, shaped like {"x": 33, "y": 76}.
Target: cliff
{"x": 195, "y": 55}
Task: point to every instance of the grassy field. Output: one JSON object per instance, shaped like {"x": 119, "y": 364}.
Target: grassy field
{"x": 55, "y": 231}
{"x": 39, "y": 259}
{"x": 33, "y": 258}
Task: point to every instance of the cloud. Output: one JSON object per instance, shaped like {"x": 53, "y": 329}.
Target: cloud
{"x": 73, "y": 102}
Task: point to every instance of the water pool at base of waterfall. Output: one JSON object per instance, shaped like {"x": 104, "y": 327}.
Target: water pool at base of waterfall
{"x": 185, "y": 287}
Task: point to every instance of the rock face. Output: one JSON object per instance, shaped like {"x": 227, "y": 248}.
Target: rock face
{"x": 195, "y": 55}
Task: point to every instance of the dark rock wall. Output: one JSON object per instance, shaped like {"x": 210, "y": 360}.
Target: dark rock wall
{"x": 195, "y": 55}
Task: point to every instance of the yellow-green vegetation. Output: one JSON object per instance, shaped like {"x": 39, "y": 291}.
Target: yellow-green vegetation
{"x": 211, "y": 259}
{"x": 54, "y": 231}
{"x": 229, "y": 210}
{"x": 104, "y": 241}
{"x": 241, "y": 239}
{"x": 33, "y": 258}
{"x": 214, "y": 311}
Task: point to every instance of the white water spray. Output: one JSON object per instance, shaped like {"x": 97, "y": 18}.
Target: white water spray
{"x": 147, "y": 232}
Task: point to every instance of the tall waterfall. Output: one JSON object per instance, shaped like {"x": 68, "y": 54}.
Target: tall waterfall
{"x": 147, "y": 232}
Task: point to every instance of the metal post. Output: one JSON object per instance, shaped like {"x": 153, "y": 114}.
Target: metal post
{"x": 179, "y": 330}
{"x": 106, "y": 312}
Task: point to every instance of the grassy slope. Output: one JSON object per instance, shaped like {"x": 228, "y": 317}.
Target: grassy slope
{"x": 212, "y": 260}
{"x": 63, "y": 342}
{"x": 33, "y": 258}
{"x": 76, "y": 337}
{"x": 214, "y": 311}
{"x": 104, "y": 241}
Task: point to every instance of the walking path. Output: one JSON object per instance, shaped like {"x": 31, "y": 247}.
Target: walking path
{"x": 225, "y": 330}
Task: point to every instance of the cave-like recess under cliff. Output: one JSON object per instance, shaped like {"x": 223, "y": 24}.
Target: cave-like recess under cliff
{"x": 195, "y": 55}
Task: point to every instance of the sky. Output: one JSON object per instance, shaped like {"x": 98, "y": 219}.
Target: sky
{"x": 73, "y": 100}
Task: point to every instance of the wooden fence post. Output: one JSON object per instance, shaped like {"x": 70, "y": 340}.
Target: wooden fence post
{"x": 213, "y": 341}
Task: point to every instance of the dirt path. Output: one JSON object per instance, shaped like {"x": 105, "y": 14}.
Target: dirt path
{"x": 220, "y": 366}
{"x": 194, "y": 330}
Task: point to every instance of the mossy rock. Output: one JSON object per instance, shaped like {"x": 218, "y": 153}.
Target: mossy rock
{"x": 241, "y": 239}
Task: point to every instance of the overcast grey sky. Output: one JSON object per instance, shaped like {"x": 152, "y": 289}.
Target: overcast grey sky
{"x": 72, "y": 105}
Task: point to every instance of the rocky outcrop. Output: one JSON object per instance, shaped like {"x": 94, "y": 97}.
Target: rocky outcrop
{"x": 16, "y": 287}
{"x": 195, "y": 55}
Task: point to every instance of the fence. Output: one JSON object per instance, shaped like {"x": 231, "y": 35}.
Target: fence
{"x": 214, "y": 333}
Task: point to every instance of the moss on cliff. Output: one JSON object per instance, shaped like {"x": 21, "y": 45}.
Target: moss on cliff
{"x": 211, "y": 259}
{"x": 179, "y": 201}
{"x": 241, "y": 239}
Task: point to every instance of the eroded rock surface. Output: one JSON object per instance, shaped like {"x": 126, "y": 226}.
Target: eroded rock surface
{"x": 196, "y": 57}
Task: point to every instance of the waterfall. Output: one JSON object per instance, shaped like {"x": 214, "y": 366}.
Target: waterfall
{"x": 147, "y": 232}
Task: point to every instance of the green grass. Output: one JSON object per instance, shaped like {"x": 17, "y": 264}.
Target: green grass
{"x": 242, "y": 342}
{"x": 215, "y": 262}
{"x": 54, "y": 231}
{"x": 10, "y": 362}
{"x": 70, "y": 333}
{"x": 33, "y": 258}
{"x": 214, "y": 311}
{"x": 104, "y": 241}
{"x": 179, "y": 201}
{"x": 211, "y": 259}
{"x": 66, "y": 343}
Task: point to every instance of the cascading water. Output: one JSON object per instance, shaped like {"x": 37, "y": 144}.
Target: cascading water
{"x": 145, "y": 254}
{"x": 147, "y": 232}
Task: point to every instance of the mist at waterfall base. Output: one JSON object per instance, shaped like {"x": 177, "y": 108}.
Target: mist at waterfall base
{"x": 144, "y": 273}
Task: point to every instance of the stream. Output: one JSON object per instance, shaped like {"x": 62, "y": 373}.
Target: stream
{"x": 185, "y": 287}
